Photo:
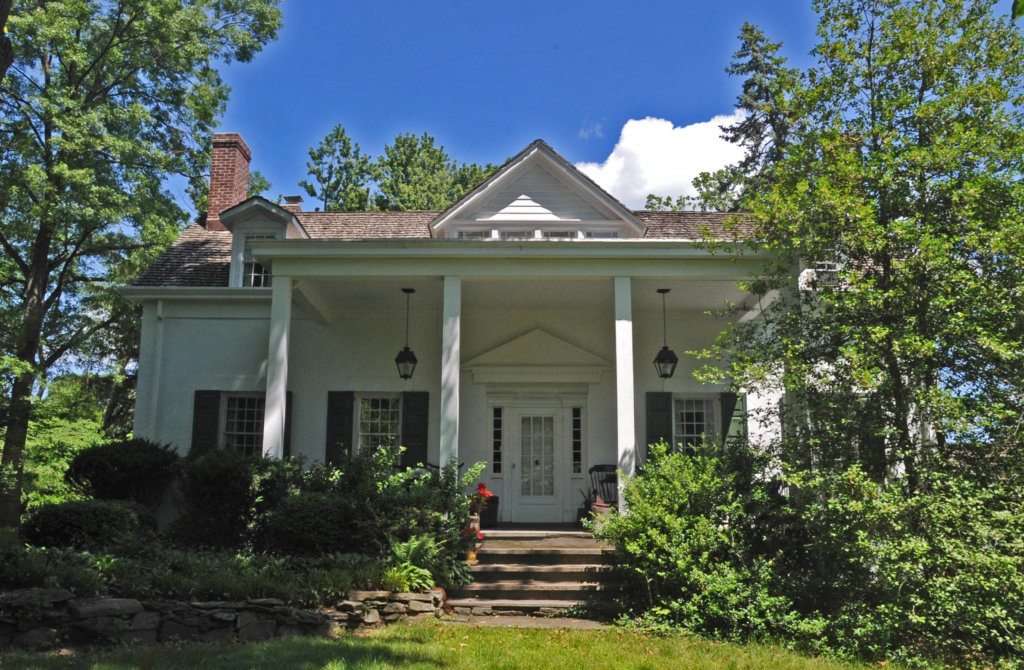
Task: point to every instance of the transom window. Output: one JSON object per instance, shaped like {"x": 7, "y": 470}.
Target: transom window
{"x": 693, "y": 421}
{"x": 243, "y": 423}
{"x": 254, "y": 274}
{"x": 380, "y": 421}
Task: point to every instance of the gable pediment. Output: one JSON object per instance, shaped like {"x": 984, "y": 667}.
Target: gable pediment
{"x": 537, "y": 356}
{"x": 538, "y": 190}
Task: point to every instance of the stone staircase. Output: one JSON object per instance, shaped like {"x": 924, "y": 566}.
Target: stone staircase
{"x": 532, "y": 571}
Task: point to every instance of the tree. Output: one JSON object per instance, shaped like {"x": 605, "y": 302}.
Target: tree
{"x": 763, "y": 132}
{"x": 415, "y": 174}
{"x": 341, "y": 173}
{"x": 895, "y": 221}
{"x": 103, "y": 100}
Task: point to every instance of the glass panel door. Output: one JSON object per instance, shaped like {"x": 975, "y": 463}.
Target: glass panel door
{"x": 537, "y": 456}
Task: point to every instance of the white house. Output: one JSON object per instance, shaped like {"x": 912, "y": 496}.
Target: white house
{"x": 535, "y": 318}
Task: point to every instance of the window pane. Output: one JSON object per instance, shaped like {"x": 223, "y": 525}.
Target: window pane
{"x": 243, "y": 424}
{"x": 380, "y": 421}
{"x": 694, "y": 420}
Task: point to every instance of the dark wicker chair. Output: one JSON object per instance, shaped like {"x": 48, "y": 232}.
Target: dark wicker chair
{"x": 604, "y": 481}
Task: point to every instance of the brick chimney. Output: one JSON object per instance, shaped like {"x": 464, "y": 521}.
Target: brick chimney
{"x": 292, "y": 203}
{"x": 229, "y": 176}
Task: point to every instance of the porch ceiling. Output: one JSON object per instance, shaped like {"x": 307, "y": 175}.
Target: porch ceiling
{"x": 334, "y": 296}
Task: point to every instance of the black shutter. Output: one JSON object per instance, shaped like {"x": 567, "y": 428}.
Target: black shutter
{"x": 339, "y": 426}
{"x": 415, "y": 411}
{"x": 288, "y": 425}
{"x": 731, "y": 425}
{"x": 659, "y": 417}
{"x": 205, "y": 422}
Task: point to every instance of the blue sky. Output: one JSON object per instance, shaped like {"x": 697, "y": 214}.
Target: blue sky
{"x": 486, "y": 78}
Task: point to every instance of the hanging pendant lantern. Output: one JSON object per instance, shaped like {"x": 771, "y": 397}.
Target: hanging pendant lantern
{"x": 666, "y": 360}
{"x": 406, "y": 359}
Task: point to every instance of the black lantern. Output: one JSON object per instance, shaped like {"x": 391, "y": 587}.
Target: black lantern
{"x": 406, "y": 360}
{"x": 666, "y": 360}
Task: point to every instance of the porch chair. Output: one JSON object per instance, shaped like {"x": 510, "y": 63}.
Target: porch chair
{"x": 604, "y": 481}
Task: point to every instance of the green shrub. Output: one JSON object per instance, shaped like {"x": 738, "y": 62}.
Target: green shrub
{"x": 89, "y": 525}
{"x": 217, "y": 499}
{"x": 680, "y": 554}
{"x": 312, "y": 524}
{"x": 935, "y": 574}
{"x": 135, "y": 470}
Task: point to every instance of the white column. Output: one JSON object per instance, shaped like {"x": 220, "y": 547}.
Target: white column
{"x": 277, "y": 368}
{"x": 451, "y": 336}
{"x": 625, "y": 403}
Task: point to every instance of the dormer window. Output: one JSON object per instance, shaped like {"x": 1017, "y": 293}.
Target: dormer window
{"x": 255, "y": 274}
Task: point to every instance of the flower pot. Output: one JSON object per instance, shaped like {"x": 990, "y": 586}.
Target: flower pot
{"x": 489, "y": 514}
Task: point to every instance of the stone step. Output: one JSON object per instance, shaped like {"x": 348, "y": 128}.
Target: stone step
{"x": 586, "y": 572}
{"x": 527, "y": 590}
{"x": 485, "y": 606}
{"x": 490, "y": 553}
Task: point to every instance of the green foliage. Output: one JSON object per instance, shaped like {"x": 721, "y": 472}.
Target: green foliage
{"x": 102, "y": 102}
{"x": 217, "y": 499}
{"x": 886, "y": 574}
{"x": 187, "y": 575}
{"x": 52, "y": 444}
{"x": 681, "y": 554}
{"x": 90, "y": 525}
{"x": 341, "y": 174}
{"x": 134, "y": 470}
{"x": 412, "y": 174}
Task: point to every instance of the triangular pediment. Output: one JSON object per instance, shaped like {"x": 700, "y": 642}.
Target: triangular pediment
{"x": 538, "y": 189}
{"x": 537, "y": 356}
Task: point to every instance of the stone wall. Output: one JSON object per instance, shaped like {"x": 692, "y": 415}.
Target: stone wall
{"x": 38, "y": 619}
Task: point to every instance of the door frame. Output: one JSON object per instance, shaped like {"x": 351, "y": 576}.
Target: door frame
{"x": 561, "y": 507}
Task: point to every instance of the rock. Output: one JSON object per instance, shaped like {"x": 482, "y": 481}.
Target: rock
{"x": 265, "y": 602}
{"x": 395, "y": 608}
{"x": 285, "y": 615}
{"x": 371, "y": 618}
{"x": 351, "y": 606}
{"x": 369, "y": 595}
{"x": 425, "y": 597}
{"x": 35, "y": 598}
{"x": 482, "y": 611}
{"x": 172, "y": 629}
{"x": 104, "y": 626}
{"x": 217, "y": 605}
{"x": 337, "y": 616}
{"x": 420, "y": 606}
{"x": 223, "y": 616}
{"x": 463, "y": 610}
{"x": 95, "y": 607}
{"x": 289, "y": 631}
{"x": 308, "y": 618}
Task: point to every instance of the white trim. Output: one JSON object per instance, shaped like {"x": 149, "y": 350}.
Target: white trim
{"x": 498, "y": 374}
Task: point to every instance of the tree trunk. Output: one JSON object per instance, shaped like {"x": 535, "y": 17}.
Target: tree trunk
{"x": 6, "y": 48}
{"x": 12, "y": 464}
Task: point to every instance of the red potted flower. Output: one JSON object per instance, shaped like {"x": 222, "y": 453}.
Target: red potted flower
{"x": 485, "y": 503}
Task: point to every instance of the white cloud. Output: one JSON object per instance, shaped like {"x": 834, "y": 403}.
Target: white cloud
{"x": 654, "y": 156}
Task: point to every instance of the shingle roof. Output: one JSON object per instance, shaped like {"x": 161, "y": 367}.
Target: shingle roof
{"x": 366, "y": 225}
{"x": 202, "y": 257}
{"x": 694, "y": 225}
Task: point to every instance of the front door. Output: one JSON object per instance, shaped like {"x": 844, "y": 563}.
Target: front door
{"x": 538, "y": 464}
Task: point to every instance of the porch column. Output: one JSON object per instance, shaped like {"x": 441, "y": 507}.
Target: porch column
{"x": 624, "y": 398}
{"x": 277, "y": 368}
{"x": 451, "y": 336}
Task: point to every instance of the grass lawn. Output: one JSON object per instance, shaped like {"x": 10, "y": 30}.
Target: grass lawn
{"x": 433, "y": 645}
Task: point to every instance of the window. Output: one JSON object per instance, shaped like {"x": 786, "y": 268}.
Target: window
{"x": 559, "y": 234}
{"x": 380, "y": 421}
{"x": 517, "y": 235}
{"x": 496, "y": 439}
{"x": 602, "y": 234}
{"x": 474, "y": 234}
{"x": 243, "y": 423}
{"x": 693, "y": 420}
{"x": 254, "y": 274}
{"x": 577, "y": 440}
